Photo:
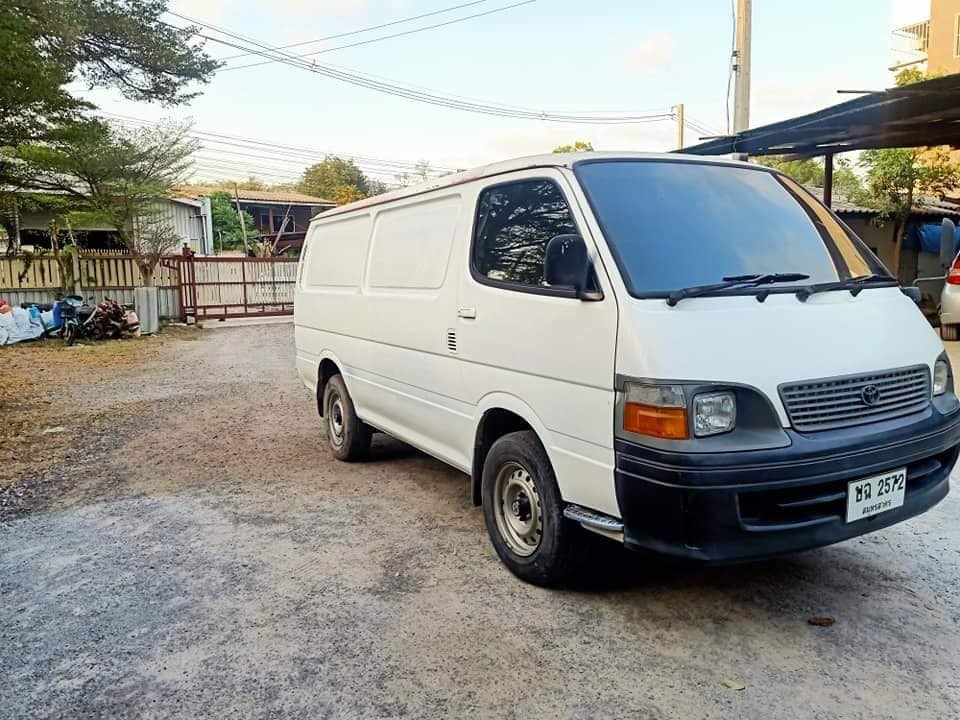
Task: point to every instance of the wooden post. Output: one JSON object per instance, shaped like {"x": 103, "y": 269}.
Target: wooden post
{"x": 828, "y": 179}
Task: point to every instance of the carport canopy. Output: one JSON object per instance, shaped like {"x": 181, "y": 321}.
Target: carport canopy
{"x": 923, "y": 114}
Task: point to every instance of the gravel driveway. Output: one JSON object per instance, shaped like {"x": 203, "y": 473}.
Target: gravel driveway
{"x": 198, "y": 553}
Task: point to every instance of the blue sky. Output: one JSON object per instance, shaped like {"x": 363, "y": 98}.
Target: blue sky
{"x": 565, "y": 55}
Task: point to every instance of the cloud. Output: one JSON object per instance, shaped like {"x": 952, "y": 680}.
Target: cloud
{"x": 654, "y": 50}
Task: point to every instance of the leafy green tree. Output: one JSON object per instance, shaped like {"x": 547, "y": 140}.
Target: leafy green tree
{"x": 578, "y": 146}
{"x": 810, "y": 172}
{"x": 117, "y": 176}
{"x": 335, "y": 179}
{"x": 45, "y": 45}
{"x": 226, "y": 222}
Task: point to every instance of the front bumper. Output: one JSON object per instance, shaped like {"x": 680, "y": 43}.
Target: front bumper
{"x": 728, "y": 507}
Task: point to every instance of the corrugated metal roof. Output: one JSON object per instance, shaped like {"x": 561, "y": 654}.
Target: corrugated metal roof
{"x": 923, "y": 206}
{"x": 923, "y": 114}
{"x": 280, "y": 197}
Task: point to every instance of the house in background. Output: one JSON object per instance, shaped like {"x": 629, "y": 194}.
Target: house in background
{"x": 269, "y": 208}
{"x": 189, "y": 217}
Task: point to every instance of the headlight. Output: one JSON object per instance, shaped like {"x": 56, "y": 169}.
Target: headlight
{"x": 655, "y": 410}
{"x": 941, "y": 376}
{"x": 714, "y": 413}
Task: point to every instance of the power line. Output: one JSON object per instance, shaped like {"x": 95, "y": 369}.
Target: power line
{"x": 432, "y": 98}
{"x": 386, "y": 37}
{"x": 363, "y": 30}
{"x": 307, "y": 153}
{"x": 363, "y": 42}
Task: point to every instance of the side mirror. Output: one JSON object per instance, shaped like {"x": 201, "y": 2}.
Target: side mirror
{"x": 948, "y": 242}
{"x": 567, "y": 265}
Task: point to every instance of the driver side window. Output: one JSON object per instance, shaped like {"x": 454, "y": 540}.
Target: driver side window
{"x": 515, "y": 221}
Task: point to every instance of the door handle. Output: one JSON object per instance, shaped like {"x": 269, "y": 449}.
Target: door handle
{"x": 467, "y": 313}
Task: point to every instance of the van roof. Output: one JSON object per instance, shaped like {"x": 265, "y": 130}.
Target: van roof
{"x": 567, "y": 160}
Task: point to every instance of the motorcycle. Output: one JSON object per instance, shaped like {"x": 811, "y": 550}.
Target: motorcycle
{"x": 77, "y": 318}
{"x": 108, "y": 320}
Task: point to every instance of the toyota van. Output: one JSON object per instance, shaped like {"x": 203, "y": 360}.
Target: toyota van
{"x": 691, "y": 357}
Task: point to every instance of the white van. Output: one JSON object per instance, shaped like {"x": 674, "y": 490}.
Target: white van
{"x": 690, "y": 356}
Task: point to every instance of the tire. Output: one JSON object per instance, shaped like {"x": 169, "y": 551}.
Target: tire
{"x": 347, "y": 435}
{"x": 949, "y": 332}
{"x": 70, "y": 334}
{"x": 517, "y": 467}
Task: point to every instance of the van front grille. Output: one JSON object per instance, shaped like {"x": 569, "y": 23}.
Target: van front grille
{"x": 784, "y": 508}
{"x": 856, "y": 399}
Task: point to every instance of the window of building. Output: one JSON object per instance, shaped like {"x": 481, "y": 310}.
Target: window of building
{"x": 515, "y": 221}
{"x": 278, "y": 224}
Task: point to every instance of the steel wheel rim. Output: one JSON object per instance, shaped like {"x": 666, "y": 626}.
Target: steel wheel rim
{"x": 517, "y": 508}
{"x": 335, "y": 419}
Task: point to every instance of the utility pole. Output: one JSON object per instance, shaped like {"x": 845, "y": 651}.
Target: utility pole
{"x": 679, "y": 109}
{"x": 741, "y": 67}
{"x": 243, "y": 225}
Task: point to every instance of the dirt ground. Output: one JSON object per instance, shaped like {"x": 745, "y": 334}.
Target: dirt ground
{"x": 187, "y": 547}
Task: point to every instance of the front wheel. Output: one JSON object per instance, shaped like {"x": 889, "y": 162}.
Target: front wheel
{"x": 70, "y": 334}
{"x": 348, "y": 436}
{"x": 523, "y": 511}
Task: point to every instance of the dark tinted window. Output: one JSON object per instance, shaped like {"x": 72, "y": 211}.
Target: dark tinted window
{"x": 514, "y": 224}
{"x": 676, "y": 224}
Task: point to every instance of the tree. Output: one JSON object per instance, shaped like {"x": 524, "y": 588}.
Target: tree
{"x": 578, "y": 146}
{"x": 47, "y": 45}
{"x": 335, "y": 179}
{"x": 897, "y": 176}
{"x": 226, "y": 222}
{"x": 810, "y": 172}
{"x": 117, "y": 176}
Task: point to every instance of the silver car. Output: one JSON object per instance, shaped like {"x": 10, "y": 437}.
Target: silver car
{"x": 950, "y": 303}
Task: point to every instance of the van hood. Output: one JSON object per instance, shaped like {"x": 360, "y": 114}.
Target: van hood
{"x": 736, "y": 339}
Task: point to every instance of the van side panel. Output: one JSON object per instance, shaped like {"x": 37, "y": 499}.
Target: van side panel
{"x": 388, "y": 325}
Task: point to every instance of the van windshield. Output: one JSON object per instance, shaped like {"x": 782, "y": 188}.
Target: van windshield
{"x": 676, "y": 224}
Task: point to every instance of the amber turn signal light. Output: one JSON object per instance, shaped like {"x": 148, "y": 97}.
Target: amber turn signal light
{"x": 663, "y": 422}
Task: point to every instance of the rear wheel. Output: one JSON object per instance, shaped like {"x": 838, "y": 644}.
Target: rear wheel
{"x": 523, "y": 511}
{"x": 348, "y": 436}
{"x": 949, "y": 332}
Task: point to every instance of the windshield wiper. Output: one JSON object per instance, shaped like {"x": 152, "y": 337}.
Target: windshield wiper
{"x": 854, "y": 285}
{"x": 733, "y": 281}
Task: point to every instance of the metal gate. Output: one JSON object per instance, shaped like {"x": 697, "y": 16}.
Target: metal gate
{"x": 218, "y": 288}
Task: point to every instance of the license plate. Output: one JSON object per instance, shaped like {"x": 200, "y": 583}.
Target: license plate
{"x": 877, "y": 494}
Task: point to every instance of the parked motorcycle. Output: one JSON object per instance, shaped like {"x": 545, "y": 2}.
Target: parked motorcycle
{"x": 76, "y": 316}
{"x": 106, "y": 321}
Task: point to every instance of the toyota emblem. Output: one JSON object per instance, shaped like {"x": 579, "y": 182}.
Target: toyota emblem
{"x": 870, "y": 395}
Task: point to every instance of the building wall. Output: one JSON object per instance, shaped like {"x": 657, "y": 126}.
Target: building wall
{"x": 942, "y": 56}
{"x": 879, "y": 238}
